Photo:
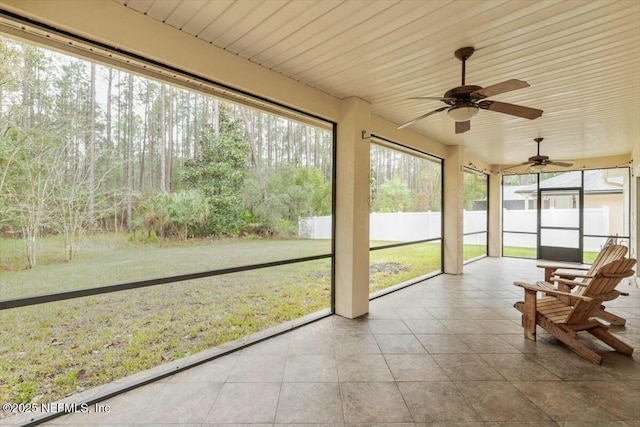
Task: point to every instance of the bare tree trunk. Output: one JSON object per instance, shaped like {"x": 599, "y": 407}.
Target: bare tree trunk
{"x": 163, "y": 140}
{"x": 27, "y": 92}
{"x": 109, "y": 84}
{"x": 216, "y": 118}
{"x": 316, "y": 143}
{"x": 145, "y": 135}
{"x": 129, "y": 159}
{"x": 91, "y": 152}
{"x": 307, "y": 142}
{"x": 186, "y": 142}
{"x": 250, "y": 134}
{"x": 171, "y": 141}
{"x": 269, "y": 141}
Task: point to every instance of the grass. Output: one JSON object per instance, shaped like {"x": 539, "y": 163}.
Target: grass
{"x": 56, "y": 349}
{"x": 587, "y": 257}
{"x": 53, "y": 350}
{"x": 389, "y": 267}
{"x": 108, "y": 259}
{"x": 473, "y": 251}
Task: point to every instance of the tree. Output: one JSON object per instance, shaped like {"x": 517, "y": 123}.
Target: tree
{"x": 475, "y": 188}
{"x": 173, "y": 214}
{"x": 394, "y": 196}
{"x": 28, "y": 192}
{"x": 219, "y": 174}
{"x": 287, "y": 193}
{"x": 187, "y": 210}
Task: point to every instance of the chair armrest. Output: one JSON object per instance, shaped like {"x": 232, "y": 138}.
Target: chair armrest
{"x": 538, "y": 286}
{"x": 566, "y": 266}
{"x": 544, "y": 287}
{"x": 582, "y": 267}
{"x": 572, "y": 275}
{"x": 569, "y": 282}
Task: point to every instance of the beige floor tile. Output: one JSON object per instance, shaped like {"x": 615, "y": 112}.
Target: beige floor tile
{"x": 436, "y": 344}
{"x": 563, "y": 401}
{"x": 245, "y": 403}
{"x": 261, "y": 368}
{"x": 414, "y": 367}
{"x": 311, "y": 368}
{"x": 399, "y": 344}
{"x": 466, "y": 367}
{"x": 373, "y": 403}
{"x": 180, "y": 403}
{"x": 436, "y": 401}
{"x": 500, "y": 401}
{"x": 356, "y": 344}
{"x": 309, "y": 403}
{"x": 363, "y": 368}
{"x": 518, "y": 367}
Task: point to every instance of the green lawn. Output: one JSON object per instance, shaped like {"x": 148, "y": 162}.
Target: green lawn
{"x": 53, "y": 350}
{"x": 474, "y": 251}
{"x": 588, "y": 257}
{"x": 388, "y": 267}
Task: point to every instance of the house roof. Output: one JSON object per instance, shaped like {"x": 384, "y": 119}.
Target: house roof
{"x": 595, "y": 182}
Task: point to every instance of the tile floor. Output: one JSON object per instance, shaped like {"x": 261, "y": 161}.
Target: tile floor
{"x": 445, "y": 352}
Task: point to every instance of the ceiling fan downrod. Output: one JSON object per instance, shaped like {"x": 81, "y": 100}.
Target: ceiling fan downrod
{"x": 538, "y": 140}
{"x": 463, "y": 54}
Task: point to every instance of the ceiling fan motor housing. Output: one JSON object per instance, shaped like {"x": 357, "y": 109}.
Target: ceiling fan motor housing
{"x": 460, "y": 93}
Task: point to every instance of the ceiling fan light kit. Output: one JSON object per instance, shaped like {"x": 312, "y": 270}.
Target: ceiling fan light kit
{"x": 463, "y": 112}
{"x": 538, "y": 167}
{"x": 464, "y": 102}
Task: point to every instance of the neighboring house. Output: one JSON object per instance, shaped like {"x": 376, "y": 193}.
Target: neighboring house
{"x": 601, "y": 188}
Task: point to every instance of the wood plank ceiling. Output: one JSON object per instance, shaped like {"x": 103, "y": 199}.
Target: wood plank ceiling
{"x": 581, "y": 58}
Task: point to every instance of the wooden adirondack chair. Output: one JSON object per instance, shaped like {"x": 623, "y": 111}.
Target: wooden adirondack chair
{"x": 566, "y": 278}
{"x": 564, "y": 319}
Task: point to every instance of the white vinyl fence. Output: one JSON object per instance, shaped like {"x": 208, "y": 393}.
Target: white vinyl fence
{"x": 396, "y": 227}
{"x": 411, "y": 226}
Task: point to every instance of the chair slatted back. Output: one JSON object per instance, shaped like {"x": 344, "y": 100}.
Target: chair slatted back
{"x": 604, "y": 282}
{"x": 607, "y": 254}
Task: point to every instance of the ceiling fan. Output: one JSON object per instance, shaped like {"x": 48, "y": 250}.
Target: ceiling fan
{"x": 463, "y": 102}
{"x": 538, "y": 162}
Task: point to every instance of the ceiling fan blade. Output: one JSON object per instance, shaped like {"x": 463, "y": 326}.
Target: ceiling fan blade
{"x": 497, "y": 89}
{"x": 422, "y": 117}
{"x": 515, "y": 166}
{"x": 563, "y": 164}
{"x": 433, "y": 98}
{"x": 462, "y": 127}
{"x": 512, "y": 109}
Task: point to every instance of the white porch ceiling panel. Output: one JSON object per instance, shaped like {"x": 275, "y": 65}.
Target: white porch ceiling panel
{"x": 581, "y": 58}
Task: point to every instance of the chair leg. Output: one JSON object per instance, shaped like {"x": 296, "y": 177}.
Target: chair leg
{"x": 607, "y": 316}
{"x": 611, "y": 340}
{"x": 529, "y": 314}
{"x": 570, "y": 339}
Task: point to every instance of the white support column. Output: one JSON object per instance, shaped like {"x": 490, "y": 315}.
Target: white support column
{"x": 495, "y": 215}
{"x": 453, "y": 209}
{"x": 352, "y": 210}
